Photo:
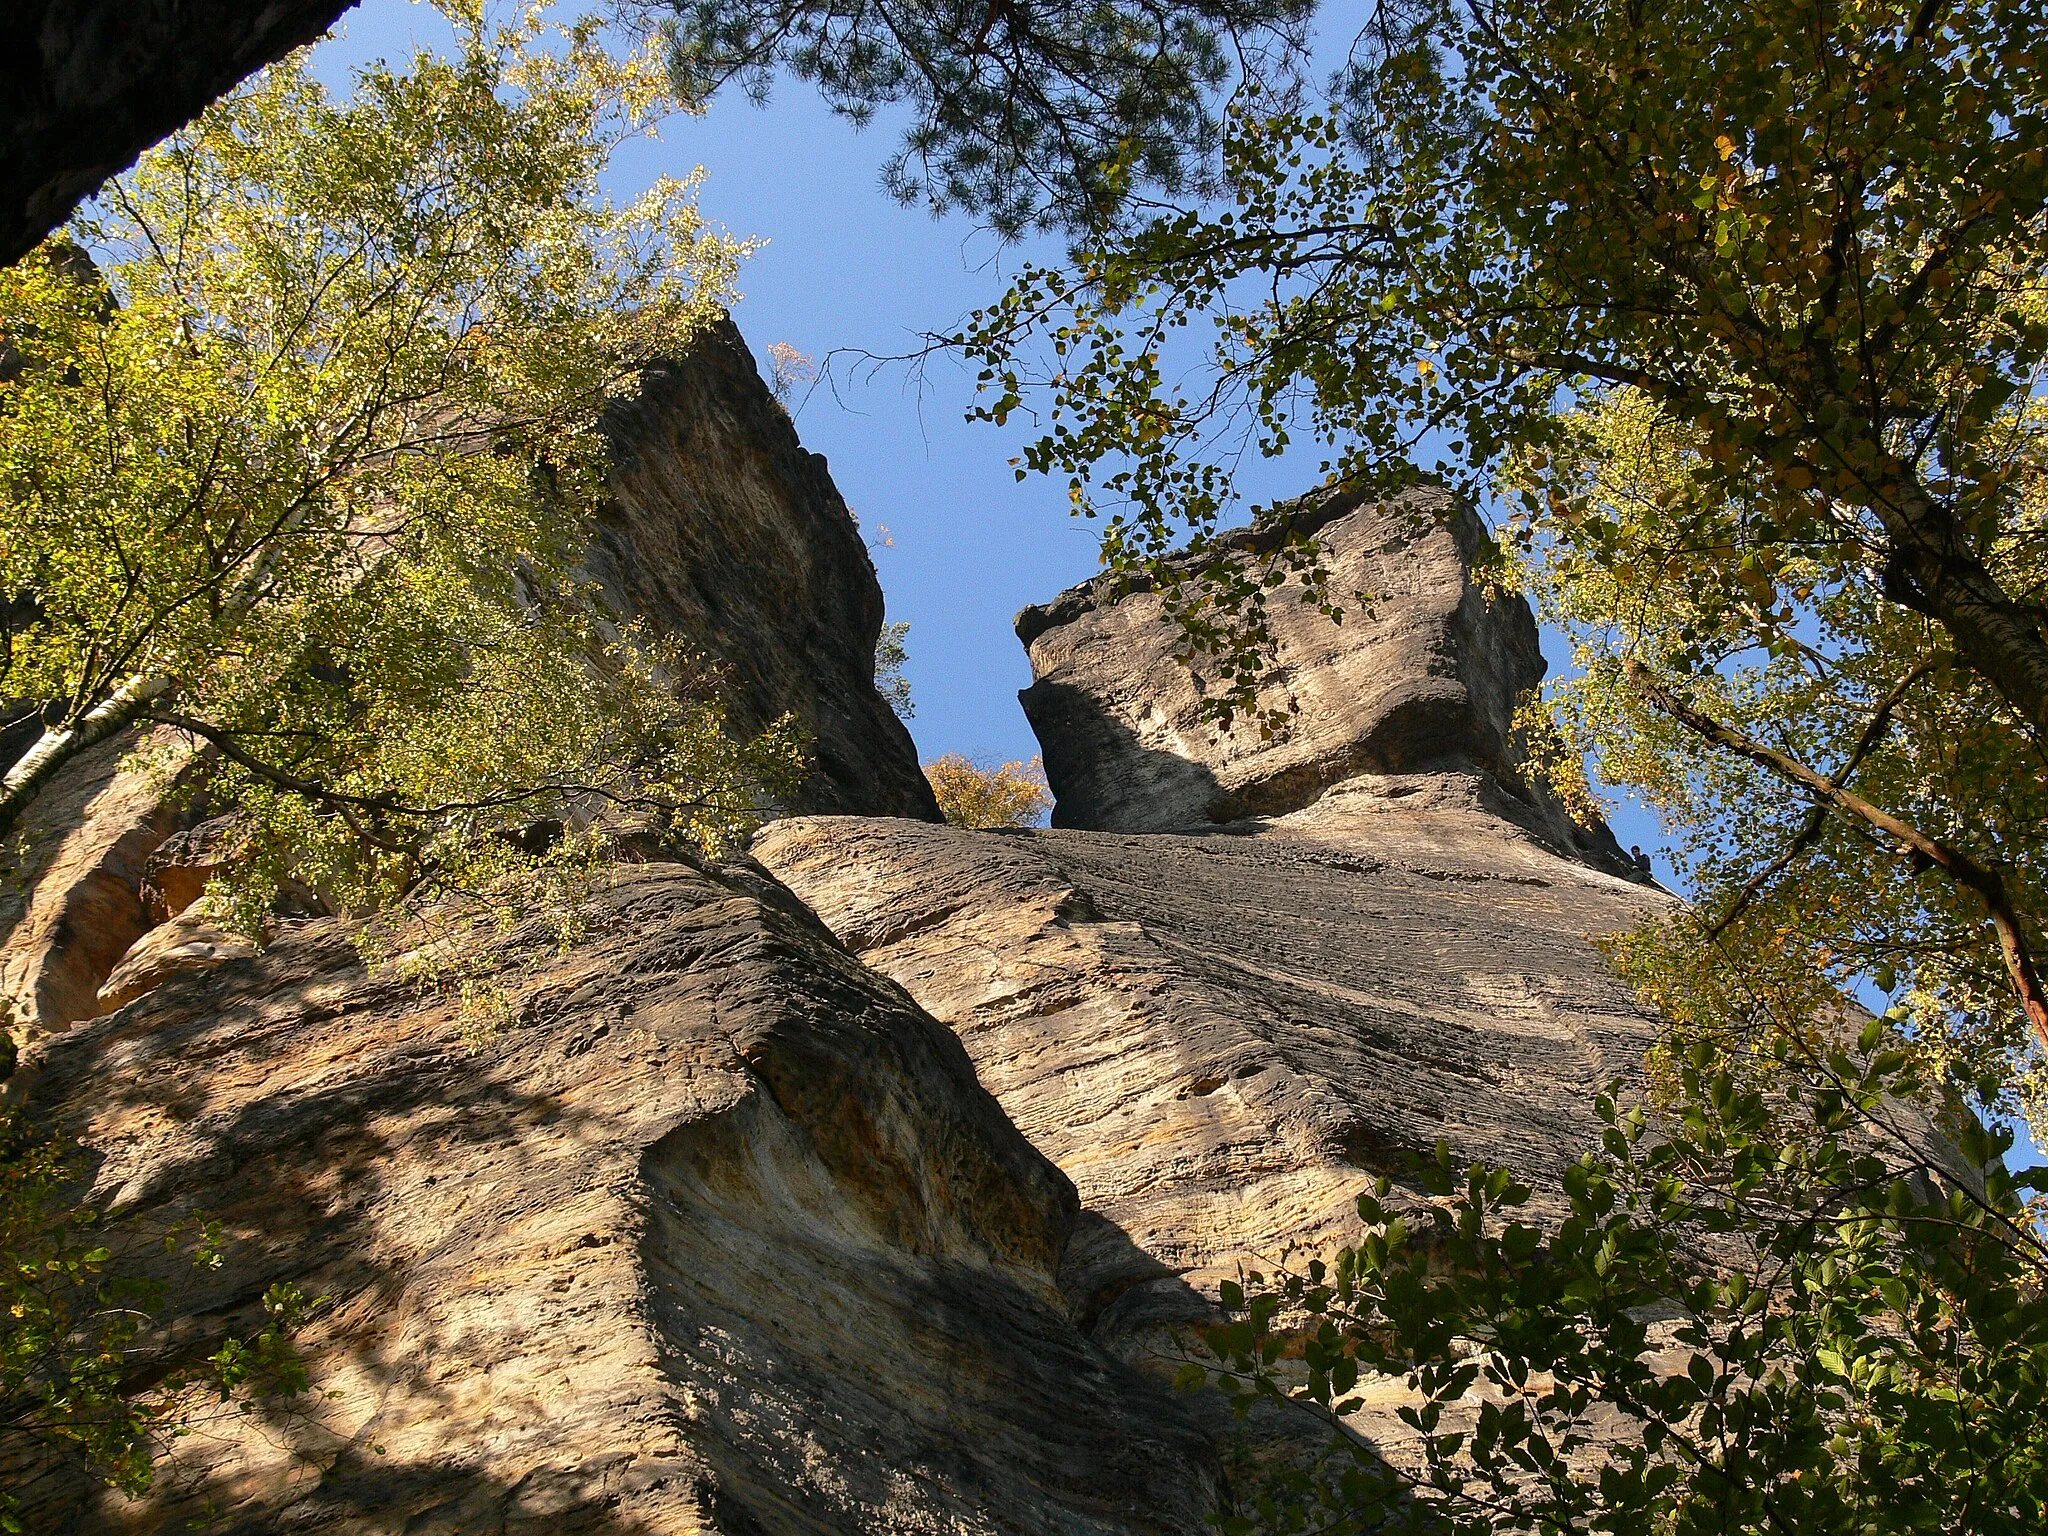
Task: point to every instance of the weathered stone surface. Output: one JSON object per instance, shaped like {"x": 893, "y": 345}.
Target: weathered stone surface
{"x": 189, "y": 942}
{"x": 90, "y": 84}
{"x": 722, "y": 1235}
{"x": 1422, "y": 678}
{"x": 76, "y": 904}
{"x": 1222, "y": 1038}
{"x": 176, "y": 874}
{"x": 724, "y": 530}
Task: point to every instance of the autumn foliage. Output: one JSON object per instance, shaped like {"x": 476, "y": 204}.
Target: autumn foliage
{"x": 1014, "y": 795}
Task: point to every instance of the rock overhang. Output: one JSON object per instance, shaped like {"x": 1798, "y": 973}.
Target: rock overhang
{"x": 1418, "y": 683}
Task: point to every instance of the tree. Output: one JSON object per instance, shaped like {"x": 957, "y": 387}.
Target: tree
{"x": 1736, "y": 316}
{"x": 1797, "y": 248}
{"x": 1915, "y": 807}
{"x": 892, "y": 654}
{"x": 1755, "y": 1318}
{"x": 970, "y": 795}
{"x": 304, "y": 472}
{"x": 1029, "y": 113}
{"x": 298, "y": 468}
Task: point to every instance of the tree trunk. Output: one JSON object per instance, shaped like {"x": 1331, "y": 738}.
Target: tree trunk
{"x": 1934, "y": 571}
{"x": 60, "y": 745}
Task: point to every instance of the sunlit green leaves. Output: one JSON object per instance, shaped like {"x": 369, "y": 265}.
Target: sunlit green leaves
{"x": 306, "y": 467}
{"x": 1748, "y": 1318}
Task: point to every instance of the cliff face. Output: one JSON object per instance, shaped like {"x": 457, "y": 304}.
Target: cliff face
{"x": 723, "y": 529}
{"x": 1222, "y": 1033}
{"x": 721, "y": 1234}
{"x": 860, "y": 1188}
{"x": 1221, "y": 1039}
{"x": 90, "y": 84}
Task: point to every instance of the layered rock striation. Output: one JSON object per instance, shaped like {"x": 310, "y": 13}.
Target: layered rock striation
{"x": 76, "y": 899}
{"x": 720, "y": 1234}
{"x": 1222, "y": 1039}
{"x": 725, "y": 531}
{"x": 1240, "y": 978}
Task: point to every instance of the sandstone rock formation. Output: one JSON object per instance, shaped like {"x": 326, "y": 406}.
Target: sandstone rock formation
{"x": 191, "y": 941}
{"x": 1222, "y": 1033}
{"x": 90, "y": 84}
{"x": 720, "y": 1229}
{"x": 75, "y": 904}
{"x": 721, "y": 1235}
{"x": 176, "y": 874}
{"x": 1422, "y": 677}
{"x": 723, "y": 529}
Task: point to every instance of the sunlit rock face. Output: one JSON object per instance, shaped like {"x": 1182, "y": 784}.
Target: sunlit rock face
{"x": 719, "y": 1233}
{"x": 1221, "y": 1039}
{"x": 1414, "y": 691}
{"x": 72, "y": 900}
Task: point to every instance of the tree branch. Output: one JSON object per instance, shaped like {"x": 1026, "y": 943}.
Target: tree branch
{"x": 349, "y": 805}
{"x": 1809, "y": 833}
{"x": 59, "y": 746}
{"x": 1985, "y": 883}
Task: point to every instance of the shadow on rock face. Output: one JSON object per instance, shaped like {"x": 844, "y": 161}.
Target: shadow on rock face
{"x": 721, "y": 1234}
{"x": 1103, "y": 775}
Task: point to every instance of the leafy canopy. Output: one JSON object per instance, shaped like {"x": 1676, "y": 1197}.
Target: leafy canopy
{"x": 1865, "y": 690}
{"x": 303, "y": 472}
{"x": 1735, "y": 315}
{"x": 971, "y": 795}
{"x": 1752, "y": 1317}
